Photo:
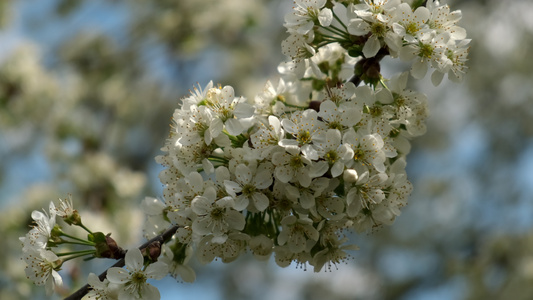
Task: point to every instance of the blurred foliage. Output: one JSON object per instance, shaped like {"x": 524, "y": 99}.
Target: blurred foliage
{"x": 86, "y": 114}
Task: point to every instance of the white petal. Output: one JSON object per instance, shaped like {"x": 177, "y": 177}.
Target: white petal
{"x": 436, "y": 77}
{"x": 134, "y": 259}
{"x": 201, "y": 205}
{"x": 234, "y": 126}
{"x": 244, "y": 110}
{"x": 202, "y": 225}
{"x": 37, "y": 215}
{"x": 419, "y": 69}
{"x": 307, "y": 200}
{"x": 208, "y": 166}
{"x": 288, "y": 143}
{"x": 303, "y": 177}
{"x": 94, "y": 281}
{"x": 263, "y": 179}
{"x": 186, "y": 273}
{"x": 309, "y": 152}
{"x": 421, "y": 15}
{"x": 318, "y": 169}
{"x": 384, "y": 96}
{"x": 232, "y": 188}
{"x": 289, "y": 126}
{"x": 371, "y": 47}
{"x": 325, "y": 17}
{"x": 408, "y": 52}
{"x": 354, "y": 116}
{"x": 284, "y": 173}
{"x": 337, "y": 169}
{"x": 118, "y": 275}
{"x": 227, "y": 93}
{"x": 260, "y": 201}
{"x": 399, "y": 29}
{"x": 157, "y": 270}
{"x": 241, "y": 202}
{"x": 49, "y": 286}
{"x": 235, "y": 220}
{"x": 226, "y": 202}
{"x": 58, "y": 281}
{"x": 358, "y": 27}
{"x": 150, "y": 292}
{"x": 152, "y": 206}
{"x": 196, "y": 181}
{"x": 222, "y": 174}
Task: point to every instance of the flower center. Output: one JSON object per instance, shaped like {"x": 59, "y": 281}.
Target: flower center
{"x": 426, "y": 50}
{"x": 399, "y": 101}
{"x": 335, "y": 125}
{"x": 375, "y": 111}
{"x": 138, "y": 277}
{"x": 312, "y": 13}
{"x": 304, "y": 137}
{"x": 248, "y": 190}
{"x": 378, "y": 29}
{"x": 201, "y": 128}
{"x": 332, "y": 156}
{"x": 412, "y": 28}
{"x": 217, "y": 214}
{"x": 359, "y": 154}
{"x": 296, "y": 162}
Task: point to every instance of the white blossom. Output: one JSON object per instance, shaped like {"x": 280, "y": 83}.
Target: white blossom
{"x": 42, "y": 266}
{"x": 306, "y": 13}
{"x": 249, "y": 186}
{"x": 132, "y": 281}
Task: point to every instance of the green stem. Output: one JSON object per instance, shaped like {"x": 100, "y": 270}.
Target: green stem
{"x": 330, "y": 38}
{"x": 84, "y": 252}
{"x": 77, "y": 239}
{"x": 78, "y": 243}
{"x": 322, "y": 44}
{"x": 339, "y": 32}
{"x": 86, "y": 229}
{"x": 75, "y": 254}
{"x": 342, "y": 32}
{"x": 384, "y": 85}
{"x": 338, "y": 19}
{"x": 218, "y": 159}
{"x": 295, "y": 106}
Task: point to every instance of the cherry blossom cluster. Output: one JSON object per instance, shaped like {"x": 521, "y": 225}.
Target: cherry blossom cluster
{"x": 427, "y": 35}
{"x": 317, "y": 156}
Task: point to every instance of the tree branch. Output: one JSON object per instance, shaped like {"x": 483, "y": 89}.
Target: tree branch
{"x": 162, "y": 238}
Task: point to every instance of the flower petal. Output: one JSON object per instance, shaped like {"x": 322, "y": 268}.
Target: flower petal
{"x": 157, "y": 270}
{"x": 260, "y": 201}
{"x": 134, "y": 260}
{"x": 118, "y": 275}
{"x": 371, "y": 47}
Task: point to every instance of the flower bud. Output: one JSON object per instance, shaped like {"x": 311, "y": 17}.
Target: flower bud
{"x": 153, "y": 250}
{"x": 350, "y": 175}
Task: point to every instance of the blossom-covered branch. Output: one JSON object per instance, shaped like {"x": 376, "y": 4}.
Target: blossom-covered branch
{"x": 314, "y": 156}
{"x": 162, "y": 238}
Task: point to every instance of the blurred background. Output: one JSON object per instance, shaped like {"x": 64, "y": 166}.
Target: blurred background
{"x": 87, "y": 91}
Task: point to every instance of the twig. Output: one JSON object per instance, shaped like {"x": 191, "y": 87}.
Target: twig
{"x": 162, "y": 238}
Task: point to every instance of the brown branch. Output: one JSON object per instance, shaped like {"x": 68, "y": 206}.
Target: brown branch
{"x": 162, "y": 238}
